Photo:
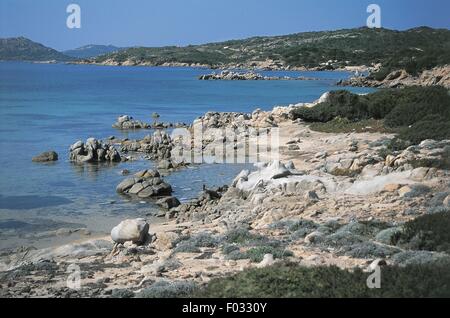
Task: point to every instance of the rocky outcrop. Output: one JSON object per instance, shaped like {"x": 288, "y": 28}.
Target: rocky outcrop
{"x": 168, "y": 202}
{"x": 228, "y": 75}
{"x": 145, "y": 184}
{"x": 158, "y": 146}
{"x": 200, "y": 208}
{"x": 127, "y": 122}
{"x": 428, "y": 154}
{"x": 131, "y": 230}
{"x": 401, "y": 78}
{"x": 273, "y": 178}
{"x": 47, "y": 156}
{"x": 93, "y": 151}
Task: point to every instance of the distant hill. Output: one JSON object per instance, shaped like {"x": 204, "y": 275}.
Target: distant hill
{"x": 23, "y": 49}
{"x": 92, "y": 50}
{"x": 414, "y": 49}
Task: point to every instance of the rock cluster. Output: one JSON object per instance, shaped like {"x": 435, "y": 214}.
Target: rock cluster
{"x": 127, "y": 122}
{"x": 158, "y": 146}
{"x": 233, "y": 76}
{"x": 228, "y": 75}
{"x": 400, "y": 78}
{"x": 93, "y": 151}
{"x": 199, "y": 208}
{"x": 429, "y": 153}
{"x": 145, "y": 184}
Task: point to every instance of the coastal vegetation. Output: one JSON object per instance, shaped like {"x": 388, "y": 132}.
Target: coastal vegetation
{"x": 415, "y": 113}
{"x": 295, "y": 281}
{"x": 415, "y": 49}
{"x": 428, "y": 232}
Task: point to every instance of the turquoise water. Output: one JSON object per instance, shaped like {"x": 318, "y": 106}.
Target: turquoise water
{"x": 50, "y": 106}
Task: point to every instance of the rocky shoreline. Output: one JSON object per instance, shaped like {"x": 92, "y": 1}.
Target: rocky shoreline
{"x": 228, "y": 75}
{"x": 266, "y": 65}
{"x": 329, "y": 199}
{"x": 401, "y": 78}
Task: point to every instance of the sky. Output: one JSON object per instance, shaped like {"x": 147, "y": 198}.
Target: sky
{"x": 183, "y": 22}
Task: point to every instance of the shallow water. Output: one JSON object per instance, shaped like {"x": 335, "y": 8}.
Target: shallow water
{"x": 50, "y": 106}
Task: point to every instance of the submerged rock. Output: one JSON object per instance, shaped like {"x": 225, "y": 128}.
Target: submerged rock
{"x": 145, "y": 184}
{"x": 46, "y": 157}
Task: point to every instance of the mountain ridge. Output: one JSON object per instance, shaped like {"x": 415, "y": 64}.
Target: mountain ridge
{"x": 415, "y": 49}
{"x": 24, "y": 49}
{"x": 92, "y": 50}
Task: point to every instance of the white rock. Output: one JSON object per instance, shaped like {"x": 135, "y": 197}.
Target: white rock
{"x": 324, "y": 98}
{"x": 134, "y": 230}
{"x": 242, "y": 175}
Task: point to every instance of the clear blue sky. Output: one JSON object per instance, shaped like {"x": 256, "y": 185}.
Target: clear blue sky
{"x": 182, "y": 22}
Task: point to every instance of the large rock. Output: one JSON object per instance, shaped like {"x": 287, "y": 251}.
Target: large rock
{"x": 93, "y": 151}
{"x": 165, "y": 240}
{"x": 46, "y": 157}
{"x": 168, "y": 202}
{"x": 145, "y": 184}
{"x": 126, "y": 184}
{"x": 134, "y": 230}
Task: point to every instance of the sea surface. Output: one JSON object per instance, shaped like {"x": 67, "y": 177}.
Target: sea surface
{"x": 50, "y": 106}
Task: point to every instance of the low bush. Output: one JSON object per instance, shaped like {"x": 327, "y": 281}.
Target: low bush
{"x": 194, "y": 243}
{"x": 256, "y": 254}
{"x": 431, "y": 127}
{"x": 295, "y": 281}
{"x": 243, "y": 237}
{"x": 166, "y": 289}
{"x": 416, "y": 113}
{"x": 428, "y": 232}
{"x": 343, "y": 125}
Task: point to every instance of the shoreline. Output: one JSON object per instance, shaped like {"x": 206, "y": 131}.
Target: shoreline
{"x": 312, "y": 193}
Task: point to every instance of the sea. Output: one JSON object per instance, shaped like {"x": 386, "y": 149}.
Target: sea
{"x": 50, "y": 106}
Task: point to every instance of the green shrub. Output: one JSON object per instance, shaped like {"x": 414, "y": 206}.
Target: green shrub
{"x": 302, "y": 228}
{"x": 229, "y": 248}
{"x": 393, "y": 146}
{"x": 381, "y": 74}
{"x": 339, "y": 104}
{"x": 244, "y": 237}
{"x": 294, "y": 281}
{"x": 431, "y": 127}
{"x": 428, "y": 232}
{"x": 122, "y": 293}
{"x": 256, "y": 254}
{"x": 166, "y": 289}
{"x": 417, "y": 113}
{"x": 194, "y": 243}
